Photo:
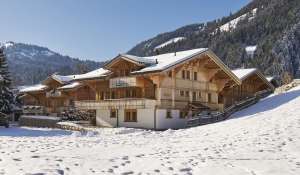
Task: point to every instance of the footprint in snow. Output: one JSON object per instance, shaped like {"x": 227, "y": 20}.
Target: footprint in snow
{"x": 171, "y": 168}
{"x": 125, "y": 158}
{"x": 185, "y": 170}
{"x": 17, "y": 159}
{"x": 140, "y": 155}
{"x": 127, "y": 173}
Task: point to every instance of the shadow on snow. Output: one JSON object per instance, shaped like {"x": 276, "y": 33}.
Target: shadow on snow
{"x": 32, "y": 132}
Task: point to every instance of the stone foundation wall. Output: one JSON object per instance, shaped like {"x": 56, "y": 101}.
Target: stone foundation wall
{"x": 39, "y": 121}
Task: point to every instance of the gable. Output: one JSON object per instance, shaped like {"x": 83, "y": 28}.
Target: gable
{"x": 124, "y": 59}
{"x": 203, "y": 58}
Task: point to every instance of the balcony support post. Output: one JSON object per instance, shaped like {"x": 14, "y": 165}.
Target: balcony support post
{"x": 173, "y": 87}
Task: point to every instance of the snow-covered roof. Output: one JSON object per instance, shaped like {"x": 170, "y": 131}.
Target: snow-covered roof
{"x": 34, "y": 88}
{"x": 71, "y": 86}
{"x": 93, "y": 74}
{"x": 167, "y": 60}
{"x": 140, "y": 60}
{"x": 62, "y": 78}
{"x": 243, "y": 73}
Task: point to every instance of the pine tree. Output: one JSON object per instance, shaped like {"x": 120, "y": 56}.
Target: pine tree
{"x": 6, "y": 95}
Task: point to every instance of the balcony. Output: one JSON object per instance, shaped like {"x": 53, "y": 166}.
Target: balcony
{"x": 53, "y": 94}
{"x": 121, "y": 82}
{"x": 197, "y": 85}
{"x": 132, "y": 103}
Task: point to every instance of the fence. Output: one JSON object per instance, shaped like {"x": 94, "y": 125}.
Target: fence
{"x": 220, "y": 116}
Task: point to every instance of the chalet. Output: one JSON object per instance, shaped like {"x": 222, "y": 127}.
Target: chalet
{"x": 58, "y": 93}
{"x": 156, "y": 92}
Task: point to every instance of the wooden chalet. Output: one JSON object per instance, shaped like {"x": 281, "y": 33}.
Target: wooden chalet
{"x": 157, "y": 92}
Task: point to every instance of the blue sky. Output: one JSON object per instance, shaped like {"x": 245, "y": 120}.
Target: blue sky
{"x": 100, "y": 29}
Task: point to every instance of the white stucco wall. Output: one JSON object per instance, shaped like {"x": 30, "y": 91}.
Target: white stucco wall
{"x": 165, "y": 123}
{"x": 103, "y": 118}
{"x": 145, "y": 119}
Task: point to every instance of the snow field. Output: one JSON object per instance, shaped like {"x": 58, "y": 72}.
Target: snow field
{"x": 262, "y": 139}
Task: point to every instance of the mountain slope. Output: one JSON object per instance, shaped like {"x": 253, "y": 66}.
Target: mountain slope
{"x": 29, "y": 64}
{"x": 271, "y": 27}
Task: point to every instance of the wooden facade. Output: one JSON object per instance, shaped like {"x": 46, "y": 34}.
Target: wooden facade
{"x": 55, "y": 100}
{"x": 157, "y": 99}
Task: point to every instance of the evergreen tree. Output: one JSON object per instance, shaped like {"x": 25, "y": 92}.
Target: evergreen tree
{"x": 6, "y": 96}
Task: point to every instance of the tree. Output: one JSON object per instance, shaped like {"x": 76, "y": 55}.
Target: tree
{"x": 287, "y": 78}
{"x": 6, "y": 95}
{"x": 81, "y": 68}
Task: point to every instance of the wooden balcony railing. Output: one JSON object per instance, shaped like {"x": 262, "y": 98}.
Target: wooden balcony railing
{"x": 53, "y": 94}
{"x": 121, "y": 82}
{"x": 127, "y": 103}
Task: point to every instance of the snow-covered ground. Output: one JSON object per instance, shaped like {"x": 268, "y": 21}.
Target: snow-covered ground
{"x": 262, "y": 139}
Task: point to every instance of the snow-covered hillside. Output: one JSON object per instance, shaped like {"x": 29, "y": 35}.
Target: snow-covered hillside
{"x": 30, "y": 64}
{"x": 263, "y": 139}
{"x": 174, "y": 40}
{"x": 233, "y": 23}
{"x": 251, "y": 49}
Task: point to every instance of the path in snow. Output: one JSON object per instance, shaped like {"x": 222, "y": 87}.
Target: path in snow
{"x": 262, "y": 139}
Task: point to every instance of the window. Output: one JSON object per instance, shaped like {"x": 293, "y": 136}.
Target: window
{"x": 107, "y": 95}
{"x": 130, "y": 115}
{"x": 169, "y": 115}
{"x": 170, "y": 74}
{"x": 126, "y": 72}
{"x": 133, "y": 93}
{"x": 194, "y": 96}
{"x": 101, "y": 95}
{"x": 182, "y": 114}
{"x": 127, "y": 93}
{"x": 113, "y": 113}
{"x": 199, "y": 95}
{"x": 188, "y": 75}
{"x": 113, "y": 95}
{"x": 220, "y": 99}
{"x": 195, "y": 76}
{"x": 187, "y": 93}
{"x": 209, "y": 97}
{"x": 183, "y": 74}
{"x": 182, "y": 93}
